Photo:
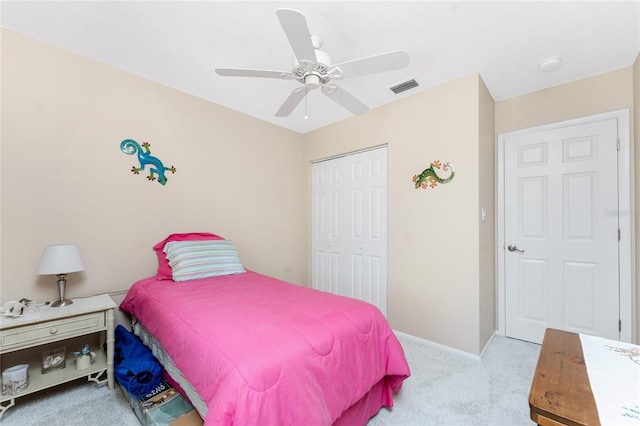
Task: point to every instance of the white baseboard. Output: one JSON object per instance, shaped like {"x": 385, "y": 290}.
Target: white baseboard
{"x": 487, "y": 344}
{"x": 447, "y": 348}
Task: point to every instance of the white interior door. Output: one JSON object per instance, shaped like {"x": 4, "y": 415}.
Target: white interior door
{"x": 349, "y": 223}
{"x": 561, "y": 231}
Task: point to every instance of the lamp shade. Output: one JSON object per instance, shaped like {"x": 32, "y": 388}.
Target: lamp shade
{"x": 60, "y": 259}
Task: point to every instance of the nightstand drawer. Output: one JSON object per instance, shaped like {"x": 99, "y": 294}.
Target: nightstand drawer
{"x": 51, "y": 331}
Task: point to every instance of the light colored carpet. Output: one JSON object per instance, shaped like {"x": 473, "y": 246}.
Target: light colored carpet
{"x": 445, "y": 388}
{"x": 77, "y": 403}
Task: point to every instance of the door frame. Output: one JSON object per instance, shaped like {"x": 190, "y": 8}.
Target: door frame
{"x": 627, "y": 314}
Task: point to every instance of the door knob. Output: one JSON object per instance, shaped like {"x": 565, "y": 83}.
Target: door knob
{"x": 513, "y": 247}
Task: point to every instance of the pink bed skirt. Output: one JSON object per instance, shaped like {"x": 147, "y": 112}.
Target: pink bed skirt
{"x": 367, "y": 407}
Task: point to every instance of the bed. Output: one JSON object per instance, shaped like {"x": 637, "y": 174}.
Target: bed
{"x": 249, "y": 349}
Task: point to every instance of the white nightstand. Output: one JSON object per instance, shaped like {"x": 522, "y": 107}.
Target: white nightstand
{"x": 88, "y": 320}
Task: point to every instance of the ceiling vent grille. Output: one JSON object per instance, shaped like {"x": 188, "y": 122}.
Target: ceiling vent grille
{"x": 404, "y": 86}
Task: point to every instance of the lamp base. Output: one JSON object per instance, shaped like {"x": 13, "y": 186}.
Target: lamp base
{"x": 62, "y": 285}
{"x": 62, "y": 302}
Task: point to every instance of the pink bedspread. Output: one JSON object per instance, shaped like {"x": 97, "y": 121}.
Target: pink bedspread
{"x": 261, "y": 351}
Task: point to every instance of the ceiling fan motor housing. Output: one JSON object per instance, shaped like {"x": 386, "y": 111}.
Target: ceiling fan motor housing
{"x": 310, "y": 73}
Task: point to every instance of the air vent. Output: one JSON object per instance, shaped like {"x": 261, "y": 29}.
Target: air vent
{"x": 404, "y": 86}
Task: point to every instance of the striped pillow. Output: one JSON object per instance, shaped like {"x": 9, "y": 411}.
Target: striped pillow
{"x": 191, "y": 260}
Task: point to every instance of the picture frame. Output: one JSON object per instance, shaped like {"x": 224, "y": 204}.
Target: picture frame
{"x": 54, "y": 359}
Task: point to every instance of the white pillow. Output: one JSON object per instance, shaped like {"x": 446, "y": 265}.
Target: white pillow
{"x": 191, "y": 260}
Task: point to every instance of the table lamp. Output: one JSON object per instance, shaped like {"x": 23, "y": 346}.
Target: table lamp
{"x": 60, "y": 260}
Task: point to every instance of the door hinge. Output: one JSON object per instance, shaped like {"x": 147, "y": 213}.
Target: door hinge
{"x": 619, "y": 326}
{"x": 618, "y": 234}
{"x": 618, "y": 144}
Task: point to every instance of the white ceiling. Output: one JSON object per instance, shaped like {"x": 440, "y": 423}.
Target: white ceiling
{"x": 180, "y": 43}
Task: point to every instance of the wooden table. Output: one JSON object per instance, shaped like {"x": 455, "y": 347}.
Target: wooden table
{"x": 560, "y": 392}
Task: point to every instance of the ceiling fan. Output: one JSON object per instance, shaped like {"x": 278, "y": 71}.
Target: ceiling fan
{"x": 312, "y": 67}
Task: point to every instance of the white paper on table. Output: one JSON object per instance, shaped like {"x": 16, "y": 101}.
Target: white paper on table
{"x": 614, "y": 374}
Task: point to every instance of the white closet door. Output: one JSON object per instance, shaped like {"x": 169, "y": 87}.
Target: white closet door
{"x": 349, "y": 226}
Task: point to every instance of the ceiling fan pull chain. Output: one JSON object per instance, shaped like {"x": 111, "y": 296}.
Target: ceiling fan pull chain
{"x": 306, "y": 93}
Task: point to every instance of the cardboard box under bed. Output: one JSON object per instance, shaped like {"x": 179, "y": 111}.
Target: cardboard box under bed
{"x": 163, "y": 406}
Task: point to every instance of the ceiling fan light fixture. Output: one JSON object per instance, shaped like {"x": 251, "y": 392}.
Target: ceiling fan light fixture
{"x": 312, "y": 81}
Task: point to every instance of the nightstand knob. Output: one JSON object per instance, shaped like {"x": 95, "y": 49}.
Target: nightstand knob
{"x": 53, "y": 330}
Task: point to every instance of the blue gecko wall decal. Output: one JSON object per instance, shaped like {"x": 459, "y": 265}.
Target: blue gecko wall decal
{"x": 130, "y": 147}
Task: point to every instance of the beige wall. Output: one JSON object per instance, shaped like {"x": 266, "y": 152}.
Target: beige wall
{"x": 433, "y": 234}
{"x": 602, "y": 93}
{"x": 486, "y": 187}
{"x": 64, "y": 178}
{"x": 636, "y": 143}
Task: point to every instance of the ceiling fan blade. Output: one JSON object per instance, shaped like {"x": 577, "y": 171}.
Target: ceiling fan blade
{"x": 296, "y": 29}
{"x": 292, "y": 102}
{"x": 374, "y": 64}
{"x": 242, "y": 72}
{"x": 344, "y": 98}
